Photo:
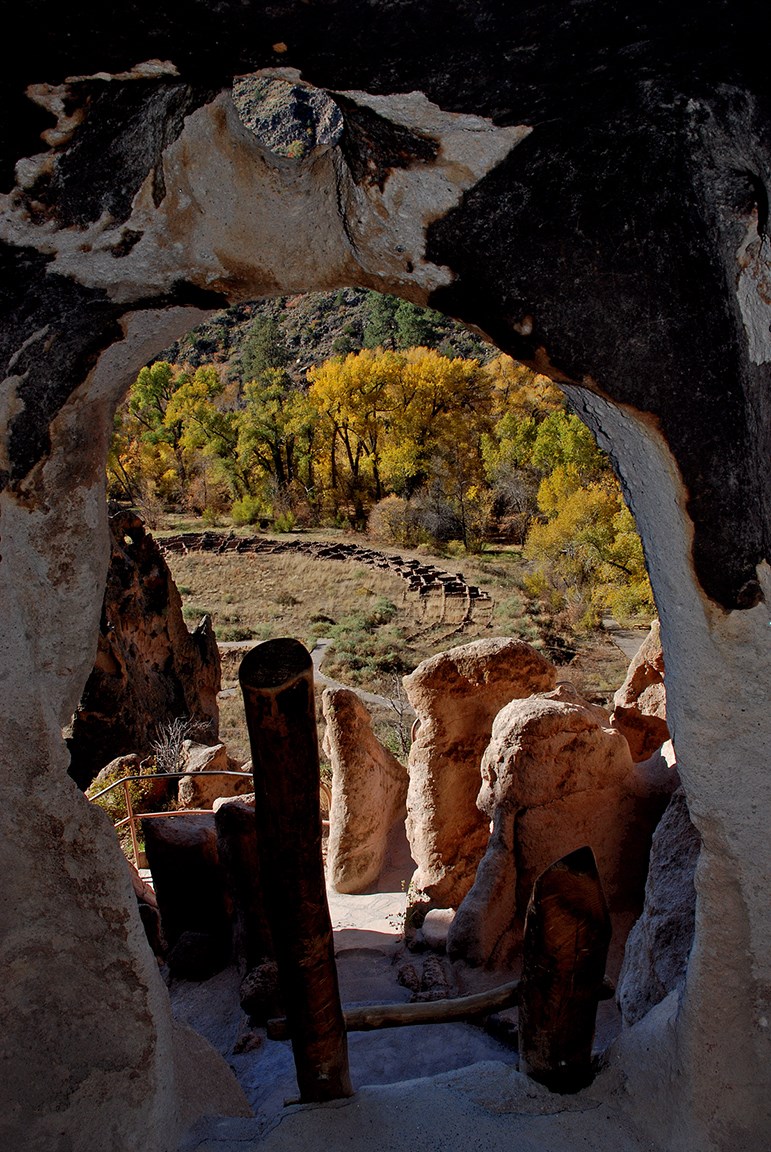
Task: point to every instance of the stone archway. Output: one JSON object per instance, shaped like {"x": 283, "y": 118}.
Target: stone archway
{"x": 590, "y": 190}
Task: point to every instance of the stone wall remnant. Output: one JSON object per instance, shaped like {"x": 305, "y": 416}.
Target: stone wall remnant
{"x": 456, "y": 696}
{"x": 369, "y": 792}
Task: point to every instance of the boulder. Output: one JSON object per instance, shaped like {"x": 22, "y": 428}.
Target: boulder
{"x": 456, "y": 696}
{"x": 555, "y": 777}
{"x": 196, "y": 791}
{"x": 660, "y": 942}
{"x": 237, "y": 851}
{"x": 149, "y": 795}
{"x": 640, "y": 705}
{"x": 190, "y": 890}
{"x": 149, "y": 670}
{"x": 369, "y": 790}
{"x": 259, "y": 993}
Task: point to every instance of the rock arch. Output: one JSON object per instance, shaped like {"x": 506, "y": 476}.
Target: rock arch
{"x": 587, "y": 186}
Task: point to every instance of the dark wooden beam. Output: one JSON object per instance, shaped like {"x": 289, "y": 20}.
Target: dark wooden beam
{"x": 277, "y": 682}
{"x": 567, "y": 933}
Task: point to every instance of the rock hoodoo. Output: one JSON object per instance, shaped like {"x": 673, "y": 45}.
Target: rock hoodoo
{"x": 150, "y": 670}
{"x": 640, "y": 705}
{"x": 555, "y": 777}
{"x": 369, "y": 790}
{"x": 456, "y": 696}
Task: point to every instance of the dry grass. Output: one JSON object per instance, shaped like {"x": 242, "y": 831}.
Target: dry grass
{"x": 376, "y": 635}
{"x": 262, "y": 597}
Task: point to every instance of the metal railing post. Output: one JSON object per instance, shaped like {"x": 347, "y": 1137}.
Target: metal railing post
{"x": 131, "y": 822}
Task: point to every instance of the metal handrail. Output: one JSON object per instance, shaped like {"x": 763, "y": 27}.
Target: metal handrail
{"x": 132, "y": 817}
{"x": 148, "y": 778}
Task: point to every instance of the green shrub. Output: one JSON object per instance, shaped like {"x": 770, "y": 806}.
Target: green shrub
{"x": 248, "y": 510}
{"x": 285, "y": 521}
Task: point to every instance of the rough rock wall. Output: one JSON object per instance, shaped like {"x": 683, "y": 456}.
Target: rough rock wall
{"x": 150, "y": 670}
{"x": 658, "y": 947}
{"x": 369, "y": 790}
{"x": 556, "y": 776}
{"x": 456, "y": 696}
{"x": 606, "y": 221}
{"x": 87, "y": 1004}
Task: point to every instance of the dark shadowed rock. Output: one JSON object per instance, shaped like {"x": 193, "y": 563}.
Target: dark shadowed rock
{"x": 259, "y": 992}
{"x": 660, "y": 942}
{"x": 150, "y": 670}
{"x": 240, "y": 862}
{"x": 288, "y": 119}
{"x": 190, "y": 890}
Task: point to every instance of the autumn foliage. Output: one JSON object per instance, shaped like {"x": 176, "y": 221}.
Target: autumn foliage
{"x": 427, "y": 448}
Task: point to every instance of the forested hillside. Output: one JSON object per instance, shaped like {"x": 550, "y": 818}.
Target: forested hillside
{"x": 362, "y": 411}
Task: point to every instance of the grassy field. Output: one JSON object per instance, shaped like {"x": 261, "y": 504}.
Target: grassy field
{"x": 376, "y": 636}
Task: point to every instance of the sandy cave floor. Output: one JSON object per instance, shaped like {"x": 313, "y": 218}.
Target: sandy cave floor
{"x": 369, "y": 949}
{"x": 402, "y": 1076}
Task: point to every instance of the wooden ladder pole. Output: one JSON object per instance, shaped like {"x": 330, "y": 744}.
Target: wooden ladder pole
{"x": 277, "y": 683}
{"x": 567, "y": 933}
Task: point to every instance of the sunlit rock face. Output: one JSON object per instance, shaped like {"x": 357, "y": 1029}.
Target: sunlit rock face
{"x": 369, "y": 789}
{"x": 587, "y": 186}
{"x": 640, "y": 704}
{"x": 456, "y": 696}
{"x": 555, "y": 777}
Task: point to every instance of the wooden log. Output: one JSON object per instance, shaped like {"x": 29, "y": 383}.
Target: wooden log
{"x": 567, "y": 932}
{"x": 277, "y": 682}
{"x": 374, "y": 1016}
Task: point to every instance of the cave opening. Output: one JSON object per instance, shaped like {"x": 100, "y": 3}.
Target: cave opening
{"x": 213, "y": 219}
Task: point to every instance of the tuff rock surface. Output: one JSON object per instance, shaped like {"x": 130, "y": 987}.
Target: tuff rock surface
{"x": 659, "y": 944}
{"x": 640, "y": 704}
{"x": 369, "y": 790}
{"x": 149, "y": 670}
{"x": 555, "y": 777}
{"x": 588, "y": 186}
{"x": 456, "y": 696}
{"x": 197, "y": 791}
